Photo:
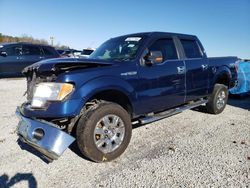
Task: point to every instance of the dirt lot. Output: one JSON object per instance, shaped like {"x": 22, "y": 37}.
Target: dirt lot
{"x": 191, "y": 149}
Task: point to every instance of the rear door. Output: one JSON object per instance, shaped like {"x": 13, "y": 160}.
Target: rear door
{"x": 10, "y": 65}
{"x": 161, "y": 86}
{"x": 30, "y": 55}
{"x": 196, "y": 64}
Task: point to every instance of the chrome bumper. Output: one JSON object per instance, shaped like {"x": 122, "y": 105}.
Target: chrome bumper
{"x": 43, "y": 136}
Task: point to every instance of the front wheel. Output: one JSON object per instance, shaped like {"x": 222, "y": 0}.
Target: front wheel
{"x": 218, "y": 100}
{"x": 104, "y": 132}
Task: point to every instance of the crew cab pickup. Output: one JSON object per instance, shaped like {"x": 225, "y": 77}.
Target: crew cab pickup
{"x": 136, "y": 78}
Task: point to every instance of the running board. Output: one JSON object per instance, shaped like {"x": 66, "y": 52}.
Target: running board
{"x": 161, "y": 115}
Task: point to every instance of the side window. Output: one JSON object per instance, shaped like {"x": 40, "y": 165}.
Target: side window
{"x": 47, "y": 51}
{"x": 13, "y": 51}
{"x": 31, "y": 50}
{"x": 167, "y": 48}
{"x": 191, "y": 48}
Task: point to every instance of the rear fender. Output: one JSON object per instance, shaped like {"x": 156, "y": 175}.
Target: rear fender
{"x": 222, "y": 72}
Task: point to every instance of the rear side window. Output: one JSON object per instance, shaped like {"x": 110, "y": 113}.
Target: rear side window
{"x": 166, "y": 46}
{"x": 191, "y": 48}
{"x": 13, "y": 50}
{"x": 47, "y": 51}
{"x": 31, "y": 50}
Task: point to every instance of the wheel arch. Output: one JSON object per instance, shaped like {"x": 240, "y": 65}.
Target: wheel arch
{"x": 116, "y": 96}
{"x": 111, "y": 89}
{"x": 223, "y": 76}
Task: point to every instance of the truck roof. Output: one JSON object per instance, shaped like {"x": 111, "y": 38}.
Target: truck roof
{"x": 158, "y": 33}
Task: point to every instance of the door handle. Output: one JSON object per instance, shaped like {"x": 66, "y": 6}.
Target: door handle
{"x": 204, "y": 67}
{"x": 181, "y": 70}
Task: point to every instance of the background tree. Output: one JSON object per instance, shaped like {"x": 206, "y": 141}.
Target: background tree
{"x": 29, "y": 39}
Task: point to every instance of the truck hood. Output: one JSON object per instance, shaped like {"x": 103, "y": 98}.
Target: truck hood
{"x": 58, "y": 65}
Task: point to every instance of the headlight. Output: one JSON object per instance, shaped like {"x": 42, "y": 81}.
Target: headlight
{"x": 50, "y": 91}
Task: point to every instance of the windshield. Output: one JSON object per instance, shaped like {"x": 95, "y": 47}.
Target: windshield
{"x": 118, "y": 49}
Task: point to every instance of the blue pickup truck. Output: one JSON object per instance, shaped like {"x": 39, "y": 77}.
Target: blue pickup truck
{"x": 136, "y": 78}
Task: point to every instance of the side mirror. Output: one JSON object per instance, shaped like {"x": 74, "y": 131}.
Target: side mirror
{"x": 2, "y": 53}
{"x": 153, "y": 57}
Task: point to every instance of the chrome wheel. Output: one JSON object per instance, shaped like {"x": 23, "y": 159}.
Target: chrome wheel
{"x": 109, "y": 133}
{"x": 221, "y": 100}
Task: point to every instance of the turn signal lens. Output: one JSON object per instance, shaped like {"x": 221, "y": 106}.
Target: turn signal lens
{"x": 66, "y": 89}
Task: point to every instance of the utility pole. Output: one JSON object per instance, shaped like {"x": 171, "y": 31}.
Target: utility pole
{"x": 52, "y": 40}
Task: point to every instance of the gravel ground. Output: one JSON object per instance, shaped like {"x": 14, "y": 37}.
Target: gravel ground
{"x": 191, "y": 149}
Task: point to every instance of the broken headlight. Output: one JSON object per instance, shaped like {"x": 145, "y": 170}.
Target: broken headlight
{"x": 50, "y": 91}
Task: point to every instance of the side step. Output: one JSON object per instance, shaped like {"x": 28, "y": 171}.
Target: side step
{"x": 161, "y": 115}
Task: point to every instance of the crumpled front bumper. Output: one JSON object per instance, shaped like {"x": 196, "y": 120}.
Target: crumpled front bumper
{"x": 43, "y": 136}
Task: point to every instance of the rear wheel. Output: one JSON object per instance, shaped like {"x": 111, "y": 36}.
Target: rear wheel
{"x": 218, "y": 100}
{"x": 104, "y": 132}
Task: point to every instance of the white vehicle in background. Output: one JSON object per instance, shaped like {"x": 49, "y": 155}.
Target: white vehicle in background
{"x": 86, "y": 52}
{"x": 76, "y": 53}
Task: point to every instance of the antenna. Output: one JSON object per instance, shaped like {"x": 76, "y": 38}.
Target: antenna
{"x": 52, "y": 40}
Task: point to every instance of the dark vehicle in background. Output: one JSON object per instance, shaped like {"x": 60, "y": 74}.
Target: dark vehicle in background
{"x": 60, "y": 51}
{"x": 14, "y": 57}
{"x": 132, "y": 79}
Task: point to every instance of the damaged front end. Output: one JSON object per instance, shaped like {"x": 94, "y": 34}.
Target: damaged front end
{"x": 46, "y": 127}
{"x": 50, "y": 112}
{"x": 44, "y": 136}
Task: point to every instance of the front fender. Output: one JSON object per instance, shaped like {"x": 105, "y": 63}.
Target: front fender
{"x": 92, "y": 87}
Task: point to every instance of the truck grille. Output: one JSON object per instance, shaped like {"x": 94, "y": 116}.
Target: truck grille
{"x": 33, "y": 79}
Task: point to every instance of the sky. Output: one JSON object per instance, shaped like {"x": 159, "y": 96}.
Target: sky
{"x": 223, "y": 26}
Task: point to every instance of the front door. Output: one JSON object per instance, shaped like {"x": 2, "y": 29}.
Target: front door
{"x": 162, "y": 85}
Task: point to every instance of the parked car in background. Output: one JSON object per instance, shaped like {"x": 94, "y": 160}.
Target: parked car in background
{"x": 86, "y": 52}
{"x": 14, "y": 57}
{"x": 70, "y": 53}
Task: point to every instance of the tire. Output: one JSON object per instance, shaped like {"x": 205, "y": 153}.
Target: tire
{"x": 104, "y": 132}
{"x": 218, "y": 100}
